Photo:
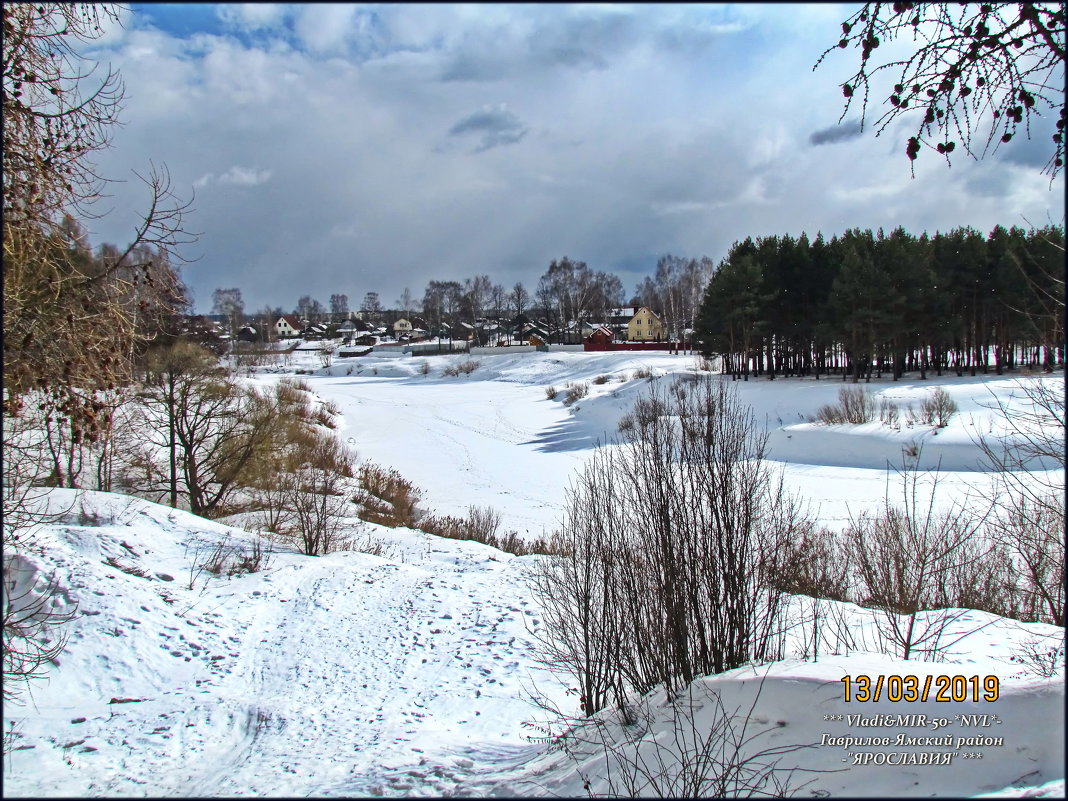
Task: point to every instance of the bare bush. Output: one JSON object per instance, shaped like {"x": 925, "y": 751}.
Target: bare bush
{"x": 1033, "y": 534}
{"x": 1033, "y": 440}
{"x": 815, "y": 562}
{"x": 424, "y": 368}
{"x": 854, "y": 405}
{"x": 482, "y": 525}
{"x": 1041, "y": 656}
{"x": 602, "y": 379}
{"x": 319, "y": 504}
{"x": 373, "y": 546}
{"x": 575, "y": 392}
{"x": 937, "y": 408}
{"x": 706, "y": 751}
{"x": 325, "y": 354}
{"x": 484, "y": 522}
{"x": 702, "y": 363}
{"x": 463, "y": 368}
{"x": 387, "y": 497}
{"x": 551, "y": 392}
{"x": 904, "y": 556}
{"x": 224, "y": 557}
{"x": 252, "y": 558}
{"x": 1029, "y": 458}
{"x": 668, "y": 550}
{"x": 889, "y": 413}
{"x": 642, "y": 372}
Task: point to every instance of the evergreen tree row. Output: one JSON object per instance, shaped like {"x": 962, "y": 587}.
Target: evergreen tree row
{"x": 863, "y": 303}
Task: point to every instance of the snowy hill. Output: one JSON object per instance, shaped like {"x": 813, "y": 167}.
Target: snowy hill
{"x": 410, "y": 672}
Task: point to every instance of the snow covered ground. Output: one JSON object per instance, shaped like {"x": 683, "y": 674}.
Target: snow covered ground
{"x": 411, "y": 672}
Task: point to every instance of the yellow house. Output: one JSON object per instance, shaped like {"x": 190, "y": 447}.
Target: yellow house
{"x": 645, "y": 326}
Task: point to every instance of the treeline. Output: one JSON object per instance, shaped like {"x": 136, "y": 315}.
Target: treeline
{"x": 866, "y": 303}
{"x": 568, "y": 294}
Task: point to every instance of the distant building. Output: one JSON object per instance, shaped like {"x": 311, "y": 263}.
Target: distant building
{"x": 247, "y": 333}
{"x": 645, "y": 326}
{"x": 602, "y": 337}
{"x": 287, "y": 326}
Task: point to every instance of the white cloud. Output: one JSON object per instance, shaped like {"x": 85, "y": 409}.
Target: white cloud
{"x": 325, "y": 28}
{"x": 251, "y": 16}
{"x": 235, "y": 176}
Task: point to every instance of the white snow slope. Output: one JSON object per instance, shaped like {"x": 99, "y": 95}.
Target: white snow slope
{"x": 411, "y": 673}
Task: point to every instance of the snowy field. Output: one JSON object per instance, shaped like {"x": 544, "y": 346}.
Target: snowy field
{"x": 411, "y": 672}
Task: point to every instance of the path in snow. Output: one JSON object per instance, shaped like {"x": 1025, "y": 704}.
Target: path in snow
{"x": 343, "y": 675}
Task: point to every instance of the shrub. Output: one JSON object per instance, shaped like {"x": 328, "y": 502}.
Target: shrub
{"x": 374, "y": 546}
{"x": 316, "y": 507}
{"x": 424, "y": 368}
{"x": 668, "y": 551}
{"x": 815, "y": 564}
{"x": 550, "y": 393}
{"x": 937, "y": 408}
{"x": 464, "y": 368}
{"x": 481, "y": 525}
{"x": 854, "y": 405}
{"x": 911, "y": 559}
{"x": 602, "y": 379}
{"x": 575, "y": 392}
{"x": 642, "y": 372}
{"x": 224, "y": 557}
{"x": 889, "y": 413}
{"x": 253, "y": 559}
{"x": 1032, "y": 531}
{"x": 387, "y": 497}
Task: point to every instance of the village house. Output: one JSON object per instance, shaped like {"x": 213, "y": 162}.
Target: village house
{"x": 645, "y": 326}
{"x": 287, "y": 326}
{"x": 600, "y": 339}
{"x": 247, "y": 333}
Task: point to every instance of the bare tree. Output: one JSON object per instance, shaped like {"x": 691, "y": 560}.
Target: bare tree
{"x": 972, "y": 63}
{"x": 339, "y": 305}
{"x": 171, "y": 375}
{"x": 229, "y": 303}
{"x": 406, "y": 303}
{"x": 308, "y": 308}
{"x": 371, "y": 304}
{"x": 213, "y": 430}
{"x": 518, "y": 299}
{"x": 319, "y": 509}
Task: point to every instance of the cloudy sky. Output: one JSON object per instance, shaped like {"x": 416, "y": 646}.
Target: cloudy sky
{"x": 354, "y": 148}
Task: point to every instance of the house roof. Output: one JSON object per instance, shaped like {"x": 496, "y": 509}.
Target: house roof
{"x": 292, "y": 321}
{"x": 646, "y": 308}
